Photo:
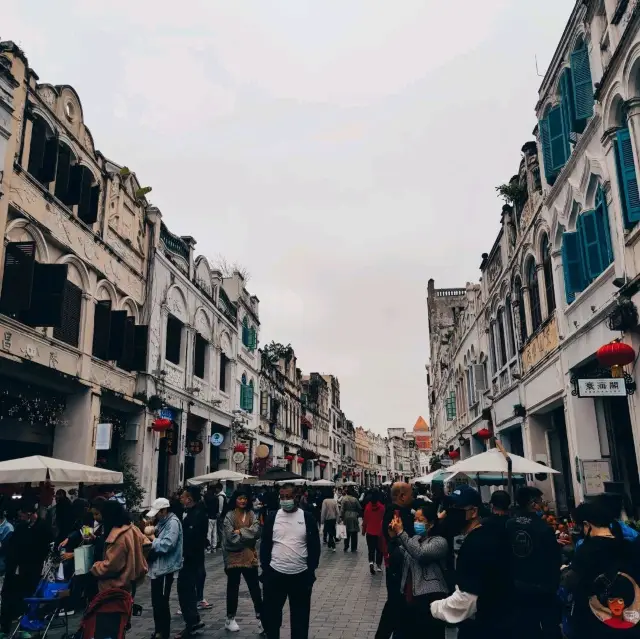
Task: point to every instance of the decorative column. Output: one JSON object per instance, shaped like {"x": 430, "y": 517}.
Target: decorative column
{"x": 515, "y": 317}
{"x": 542, "y": 291}
{"x": 164, "y": 315}
{"x": 527, "y": 309}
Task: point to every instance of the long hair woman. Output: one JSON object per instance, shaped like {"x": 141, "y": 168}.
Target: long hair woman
{"x": 240, "y": 532}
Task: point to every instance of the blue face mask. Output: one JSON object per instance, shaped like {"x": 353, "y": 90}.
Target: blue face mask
{"x": 420, "y": 527}
{"x": 539, "y": 513}
{"x": 287, "y": 505}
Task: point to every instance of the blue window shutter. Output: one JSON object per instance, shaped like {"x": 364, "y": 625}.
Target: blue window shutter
{"x": 549, "y": 173}
{"x": 593, "y": 245}
{"x": 560, "y": 149}
{"x": 574, "y": 280}
{"x": 244, "y": 396}
{"x": 627, "y": 177}
{"x": 582, "y": 84}
{"x": 567, "y": 103}
{"x": 602, "y": 221}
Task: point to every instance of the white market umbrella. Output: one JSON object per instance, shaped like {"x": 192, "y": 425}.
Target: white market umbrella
{"x": 431, "y": 477}
{"x": 57, "y": 471}
{"x": 387, "y": 483}
{"x": 322, "y": 482}
{"x": 493, "y": 461}
{"x": 218, "y": 475}
{"x": 348, "y": 483}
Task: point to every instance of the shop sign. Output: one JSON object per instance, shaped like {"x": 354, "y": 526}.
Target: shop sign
{"x": 238, "y": 457}
{"x": 607, "y": 387}
{"x": 166, "y": 413}
{"x": 542, "y": 343}
{"x": 103, "y": 436}
{"x": 594, "y": 473}
{"x": 216, "y": 439}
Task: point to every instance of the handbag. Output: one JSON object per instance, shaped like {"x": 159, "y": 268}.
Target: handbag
{"x": 341, "y": 531}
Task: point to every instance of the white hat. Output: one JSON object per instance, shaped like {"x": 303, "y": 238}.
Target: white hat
{"x": 157, "y": 506}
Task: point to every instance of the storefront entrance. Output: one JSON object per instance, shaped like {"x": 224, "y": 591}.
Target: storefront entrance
{"x": 559, "y": 449}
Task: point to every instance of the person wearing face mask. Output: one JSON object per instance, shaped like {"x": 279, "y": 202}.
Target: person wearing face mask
{"x": 536, "y": 557}
{"x": 165, "y": 560}
{"x": 289, "y": 556}
{"x": 480, "y": 604}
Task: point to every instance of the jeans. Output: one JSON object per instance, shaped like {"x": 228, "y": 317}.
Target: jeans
{"x": 202, "y": 577}
{"x": 212, "y": 534}
{"x": 160, "y": 595}
{"x": 329, "y": 532}
{"x": 233, "y": 588}
{"x": 352, "y": 537}
{"x": 188, "y": 593}
{"x": 277, "y": 587}
{"x": 373, "y": 546}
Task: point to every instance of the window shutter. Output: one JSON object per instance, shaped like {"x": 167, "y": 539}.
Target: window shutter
{"x": 17, "y": 280}
{"x": 49, "y": 161}
{"x": 74, "y": 191}
{"x": 118, "y": 322}
{"x": 47, "y": 298}
{"x": 546, "y": 150}
{"x": 250, "y": 397}
{"x": 62, "y": 172}
{"x": 243, "y": 396}
{"x": 69, "y": 329}
{"x": 593, "y": 245}
{"x": 480, "y": 378}
{"x": 253, "y": 338}
{"x": 140, "y": 341}
{"x": 245, "y": 335}
{"x": 101, "y": 329}
{"x": 84, "y": 205}
{"x": 602, "y": 225}
{"x": 36, "y": 148}
{"x": 574, "y": 279}
{"x": 264, "y": 399}
{"x": 560, "y": 149}
{"x": 126, "y": 361}
{"x": 627, "y": 177}
{"x": 567, "y": 103}
{"x": 582, "y": 84}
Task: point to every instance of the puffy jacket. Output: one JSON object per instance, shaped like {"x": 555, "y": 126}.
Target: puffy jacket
{"x": 166, "y": 550}
{"x": 372, "y": 520}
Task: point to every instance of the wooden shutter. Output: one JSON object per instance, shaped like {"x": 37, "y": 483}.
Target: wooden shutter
{"x": 253, "y": 338}
{"x": 47, "y": 298}
{"x": 49, "y": 161}
{"x": 245, "y": 335}
{"x": 559, "y": 141}
{"x": 69, "y": 329}
{"x": 141, "y": 340}
{"x": 567, "y": 103}
{"x": 62, "y": 172}
{"x": 243, "y": 396}
{"x": 627, "y": 177}
{"x": 126, "y": 361}
{"x": 250, "y": 397}
{"x": 101, "y": 329}
{"x": 582, "y": 84}
{"x": 546, "y": 151}
{"x": 264, "y": 403}
{"x": 84, "y": 205}
{"x": 74, "y": 191}
{"x": 574, "y": 278}
{"x": 602, "y": 224}
{"x": 480, "y": 378}
{"x": 593, "y": 246}
{"x": 17, "y": 279}
{"x": 36, "y": 148}
{"x": 118, "y": 322}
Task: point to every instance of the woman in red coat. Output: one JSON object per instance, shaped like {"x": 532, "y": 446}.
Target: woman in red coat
{"x": 372, "y": 529}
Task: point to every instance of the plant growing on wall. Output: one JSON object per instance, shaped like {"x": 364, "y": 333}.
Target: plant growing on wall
{"x": 512, "y": 193}
{"x": 275, "y": 351}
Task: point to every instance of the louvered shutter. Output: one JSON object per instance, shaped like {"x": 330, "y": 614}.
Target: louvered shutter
{"x": 602, "y": 224}
{"x": 69, "y": 329}
{"x": 118, "y": 322}
{"x": 126, "y": 361}
{"x": 63, "y": 172}
{"x": 36, "y": 148}
{"x": 582, "y": 84}
{"x": 49, "y": 161}
{"x": 101, "y": 329}
{"x": 47, "y": 298}
{"x": 627, "y": 177}
{"x": 141, "y": 341}
{"x": 560, "y": 149}
{"x": 253, "y": 338}
{"x": 593, "y": 245}
{"x": 72, "y": 196}
{"x": 245, "y": 335}
{"x": 574, "y": 279}
{"x": 264, "y": 401}
{"x": 84, "y": 205}
{"x": 567, "y": 102}
{"x": 480, "y": 378}
{"x": 546, "y": 151}
{"x": 250, "y": 398}
{"x": 17, "y": 279}
{"x": 243, "y": 396}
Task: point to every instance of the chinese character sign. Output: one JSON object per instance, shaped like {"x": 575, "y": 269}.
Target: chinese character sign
{"x": 611, "y": 387}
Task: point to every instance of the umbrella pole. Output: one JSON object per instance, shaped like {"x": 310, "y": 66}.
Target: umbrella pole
{"x": 500, "y": 447}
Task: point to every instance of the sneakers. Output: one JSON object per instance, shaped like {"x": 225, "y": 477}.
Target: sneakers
{"x": 371, "y": 568}
{"x": 334, "y": 549}
{"x": 204, "y": 605}
{"x": 231, "y": 624}
{"x": 378, "y": 568}
{"x": 260, "y": 628}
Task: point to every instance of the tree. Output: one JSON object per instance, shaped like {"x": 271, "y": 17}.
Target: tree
{"x": 132, "y": 491}
{"x": 227, "y": 268}
{"x": 275, "y": 351}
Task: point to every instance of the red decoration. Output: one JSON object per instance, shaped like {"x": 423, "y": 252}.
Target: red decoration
{"x": 615, "y": 355}
{"x": 484, "y": 433}
{"x": 161, "y": 424}
{"x": 323, "y": 464}
{"x": 240, "y": 448}
{"x": 454, "y": 454}
{"x": 301, "y": 460}
{"x": 289, "y": 458}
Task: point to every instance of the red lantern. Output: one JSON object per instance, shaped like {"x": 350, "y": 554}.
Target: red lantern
{"x": 484, "y": 433}
{"x": 615, "y": 355}
{"x": 161, "y": 424}
{"x": 240, "y": 448}
{"x": 301, "y": 460}
{"x": 454, "y": 454}
{"x": 323, "y": 464}
{"x": 289, "y": 458}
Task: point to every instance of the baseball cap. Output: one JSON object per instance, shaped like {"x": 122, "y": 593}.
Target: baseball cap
{"x": 157, "y": 506}
{"x": 465, "y": 497}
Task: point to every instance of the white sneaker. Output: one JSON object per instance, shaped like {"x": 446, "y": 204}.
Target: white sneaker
{"x": 231, "y": 625}
{"x": 260, "y": 628}
{"x": 378, "y": 569}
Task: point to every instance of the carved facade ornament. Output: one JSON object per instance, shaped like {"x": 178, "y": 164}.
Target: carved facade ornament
{"x": 48, "y": 96}
{"x": 30, "y": 351}
{"x": 175, "y": 375}
{"x": 495, "y": 268}
{"x": 53, "y": 359}
{"x": 542, "y": 343}
{"x": 5, "y": 344}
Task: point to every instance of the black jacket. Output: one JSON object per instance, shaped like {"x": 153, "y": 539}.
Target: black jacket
{"x": 195, "y": 526}
{"x": 29, "y": 547}
{"x": 313, "y": 541}
{"x": 396, "y": 558}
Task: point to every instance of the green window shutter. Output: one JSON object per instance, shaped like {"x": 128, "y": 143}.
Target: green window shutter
{"x": 560, "y": 149}
{"x": 602, "y": 222}
{"x": 582, "y": 84}
{"x": 572, "y": 265}
{"x": 253, "y": 338}
{"x": 627, "y": 177}
{"x": 243, "y": 396}
{"x": 567, "y": 103}
{"x": 593, "y": 245}
{"x": 546, "y": 151}
{"x": 250, "y": 397}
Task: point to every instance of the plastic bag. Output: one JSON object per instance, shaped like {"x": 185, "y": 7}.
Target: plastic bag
{"x": 341, "y": 531}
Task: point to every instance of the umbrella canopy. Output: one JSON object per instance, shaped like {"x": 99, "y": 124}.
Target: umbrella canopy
{"x": 348, "y": 483}
{"x": 493, "y": 461}
{"x": 279, "y": 474}
{"x": 218, "y": 475}
{"x": 322, "y": 482}
{"x": 58, "y": 471}
{"x": 436, "y": 475}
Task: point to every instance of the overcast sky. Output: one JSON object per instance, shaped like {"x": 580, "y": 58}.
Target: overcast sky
{"x": 343, "y": 151}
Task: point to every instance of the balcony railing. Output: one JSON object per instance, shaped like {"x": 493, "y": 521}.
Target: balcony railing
{"x": 227, "y": 308}
{"x": 173, "y": 243}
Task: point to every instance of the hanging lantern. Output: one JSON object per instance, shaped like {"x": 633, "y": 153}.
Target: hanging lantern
{"x": 615, "y": 355}
{"x": 484, "y": 433}
{"x": 240, "y": 448}
{"x": 454, "y": 454}
{"x": 289, "y": 458}
{"x": 301, "y": 460}
{"x": 323, "y": 464}
{"x": 161, "y": 424}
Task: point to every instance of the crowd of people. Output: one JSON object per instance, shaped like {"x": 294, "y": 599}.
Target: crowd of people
{"x": 491, "y": 570}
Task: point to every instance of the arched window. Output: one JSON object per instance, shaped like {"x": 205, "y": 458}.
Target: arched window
{"x": 43, "y": 151}
{"x": 492, "y": 348}
{"x": 522, "y": 315}
{"x": 244, "y": 379}
{"x": 534, "y": 296}
{"x": 502, "y": 345}
{"x": 245, "y": 331}
{"x": 548, "y": 274}
{"x": 508, "y": 314}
